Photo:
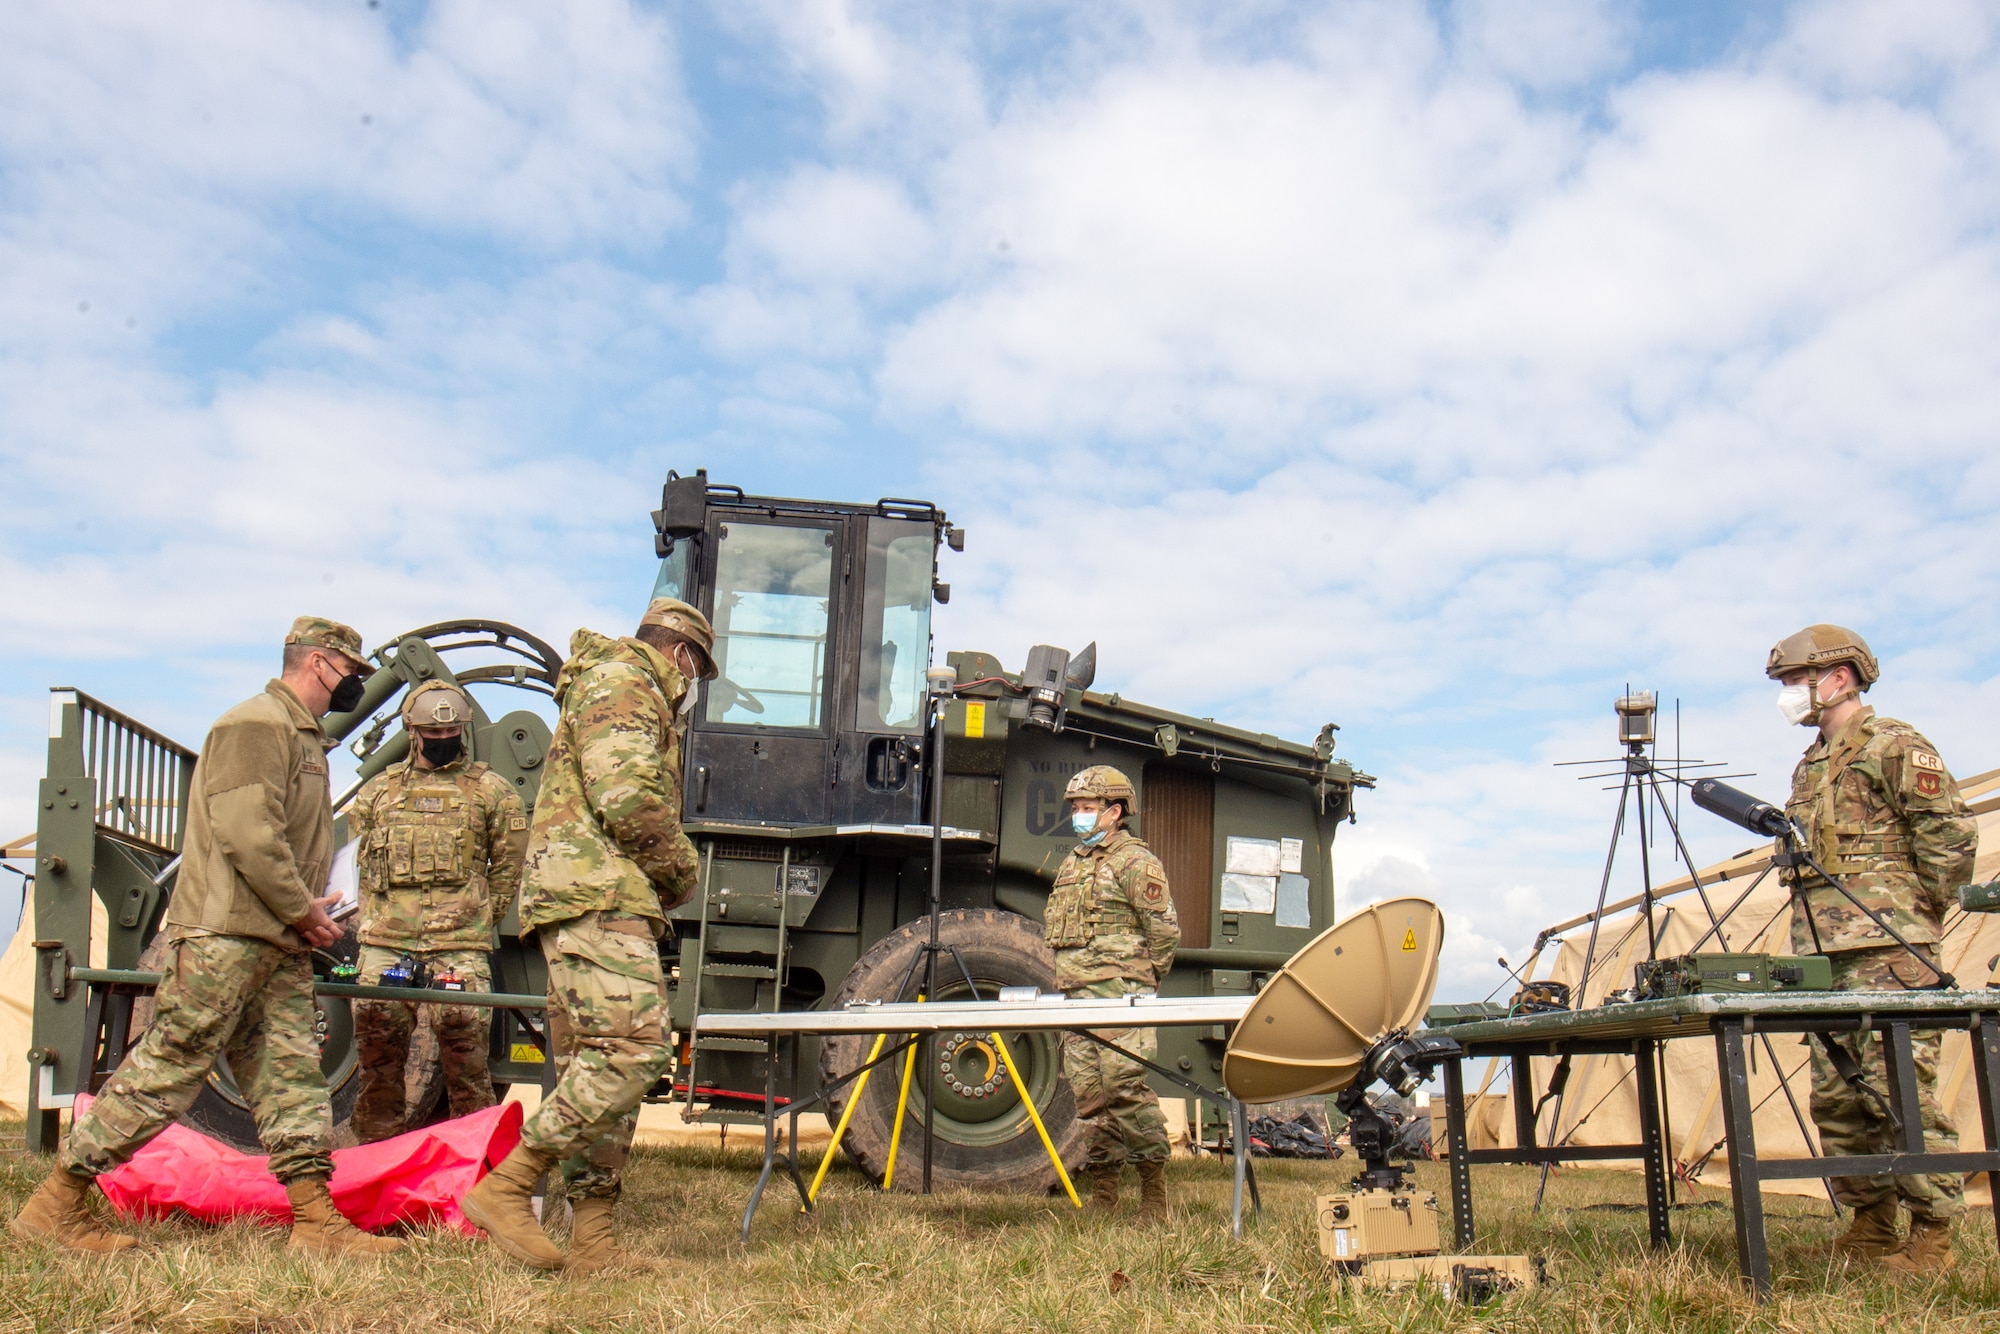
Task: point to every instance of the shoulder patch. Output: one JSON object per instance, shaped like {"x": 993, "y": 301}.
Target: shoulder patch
{"x": 1923, "y": 759}
{"x": 1154, "y": 892}
{"x": 1929, "y": 784}
{"x": 517, "y": 822}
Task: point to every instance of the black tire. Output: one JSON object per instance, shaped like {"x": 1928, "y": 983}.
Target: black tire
{"x": 985, "y": 1139}
{"x": 220, "y": 1110}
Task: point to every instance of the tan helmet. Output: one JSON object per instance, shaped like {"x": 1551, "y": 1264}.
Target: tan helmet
{"x": 437, "y": 704}
{"x": 1106, "y": 784}
{"x": 1818, "y": 647}
{"x": 685, "y": 621}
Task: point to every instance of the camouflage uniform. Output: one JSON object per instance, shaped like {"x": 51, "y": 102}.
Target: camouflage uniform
{"x": 1880, "y": 811}
{"x": 219, "y": 995}
{"x": 237, "y": 979}
{"x": 607, "y": 860}
{"x": 439, "y": 857}
{"x": 1111, "y": 923}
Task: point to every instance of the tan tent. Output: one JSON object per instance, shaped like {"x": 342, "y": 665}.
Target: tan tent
{"x": 1600, "y": 1103}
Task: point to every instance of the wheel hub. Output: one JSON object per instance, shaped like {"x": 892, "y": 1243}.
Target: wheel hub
{"x": 970, "y": 1067}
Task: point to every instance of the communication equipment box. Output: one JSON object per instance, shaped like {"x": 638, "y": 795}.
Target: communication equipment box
{"x": 1472, "y": 1279}
{"x": 1713, "y": 974}
{"x": 1368, "y": 1224}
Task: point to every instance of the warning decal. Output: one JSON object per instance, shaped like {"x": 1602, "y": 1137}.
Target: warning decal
{"x": 1410, "y": 941}
{"x": 975, "y": 719}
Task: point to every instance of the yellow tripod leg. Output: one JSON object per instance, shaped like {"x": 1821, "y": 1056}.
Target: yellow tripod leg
{"x": 1028, "y": 1102}
{"x": 846, "y": 1115}
{"x": 902, "y": 1103}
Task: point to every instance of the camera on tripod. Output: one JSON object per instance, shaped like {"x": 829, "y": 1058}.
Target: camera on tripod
{"x": 1636, "y": 711}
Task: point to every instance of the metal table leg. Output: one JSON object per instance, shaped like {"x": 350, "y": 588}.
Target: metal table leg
{"x": 1644, "y": 1054}
{"x": 770, "y": 1136}
{"x": 1985, "y": 1055}
{"x": 1523, "y": 1099}
{"x": 1456, "y": 1146}
{"x": 1900, "y": 1056}
{"x": 1239, "y": 1147}
{"x": 1746, "y": 1191}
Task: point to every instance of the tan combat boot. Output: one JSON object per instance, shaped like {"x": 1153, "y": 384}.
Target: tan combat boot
{"x": 1926, "y": 1251}
{"x": 592, "y": 1245}
{"x": 500, "y": 1204}
{"x": 1871, "y": 1232}
{"x": 59, "y": 1212}
{"x": 1103, "y": 1190}
{"x": 319, "y": 1227}
{"x": 1152, "y": 1193}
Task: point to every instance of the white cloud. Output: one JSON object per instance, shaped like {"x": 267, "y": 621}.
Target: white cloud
{"x": 1430, "y": 370}
{"x": 553, "y": 124}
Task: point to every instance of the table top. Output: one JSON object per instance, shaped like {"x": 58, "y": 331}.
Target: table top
{"x": 1045, "y": 1011}
{"x": 1695, "y": 1016}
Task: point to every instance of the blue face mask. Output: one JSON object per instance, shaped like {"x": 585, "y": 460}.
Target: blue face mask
{"x": 1085, "y": 825}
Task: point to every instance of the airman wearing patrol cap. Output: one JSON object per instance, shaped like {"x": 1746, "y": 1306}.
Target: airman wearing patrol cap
{"x": 440, "y": 838}
{"x": 1881, "y": 812}
{"x": 1110, "y": 921}
{"x": 247, "y": 907}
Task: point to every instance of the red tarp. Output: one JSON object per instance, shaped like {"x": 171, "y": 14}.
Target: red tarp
{"x": 416, "y": 1177}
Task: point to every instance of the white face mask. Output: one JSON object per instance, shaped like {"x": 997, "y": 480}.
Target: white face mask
{"x": 1796, "y": 704}
{"x": 687, "y": 699}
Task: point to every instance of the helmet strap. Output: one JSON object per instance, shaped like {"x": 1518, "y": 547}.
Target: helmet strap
{"x": 1820, "y": 706}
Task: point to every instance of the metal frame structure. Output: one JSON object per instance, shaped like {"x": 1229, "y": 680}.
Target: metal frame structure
{"x": 1640, "y": 1030}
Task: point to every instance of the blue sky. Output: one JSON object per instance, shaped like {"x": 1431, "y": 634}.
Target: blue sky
{"x": 1436, "y": 369}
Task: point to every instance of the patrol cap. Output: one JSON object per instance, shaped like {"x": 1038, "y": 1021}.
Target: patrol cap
{"x": 437, "y": 704}
{"x": 1822, "y": 646}
{"x": 685, "y": 621}
{"x": 320, "y": 632}
{"x": 1104, "y": 783}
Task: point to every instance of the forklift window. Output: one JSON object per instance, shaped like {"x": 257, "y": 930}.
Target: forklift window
{"x": 673, "y": 580}
{"x": 896, "y": 625}
{"x": 773, "y": 586}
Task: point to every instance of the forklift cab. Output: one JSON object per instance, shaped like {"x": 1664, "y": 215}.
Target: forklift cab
{"x": 822, "y": 637}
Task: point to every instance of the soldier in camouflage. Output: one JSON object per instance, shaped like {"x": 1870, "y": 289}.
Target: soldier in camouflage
{"x": 1881, "y": 812}
{"x": 247, "y": 905}
{"x": 607, "y": 861}
{"x": 440, "y": 838}
{"x": 1110, "y": 920}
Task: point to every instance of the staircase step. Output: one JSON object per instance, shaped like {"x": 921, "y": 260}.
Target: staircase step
{"x": 731, "y": 1044}
{"x": 738, "y": 970}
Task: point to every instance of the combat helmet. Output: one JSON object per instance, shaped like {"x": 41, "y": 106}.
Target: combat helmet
{"x": 1818, "y": 647}
{"x": 1104, "y": 783}
{"x": 437, "y": 704}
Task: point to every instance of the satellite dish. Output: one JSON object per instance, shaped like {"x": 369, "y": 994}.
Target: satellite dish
{"x": 1310, "y": 1027}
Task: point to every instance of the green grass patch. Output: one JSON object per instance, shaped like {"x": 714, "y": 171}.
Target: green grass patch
{"x": 970, "y": 1263}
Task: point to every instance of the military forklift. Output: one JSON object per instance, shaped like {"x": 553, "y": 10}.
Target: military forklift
{"x": 808, "y": 793}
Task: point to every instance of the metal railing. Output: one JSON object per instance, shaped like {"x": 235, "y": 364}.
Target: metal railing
{"x": 142, "y": 777}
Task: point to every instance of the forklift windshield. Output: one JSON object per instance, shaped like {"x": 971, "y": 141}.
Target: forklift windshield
{"x": 773, "y": 587}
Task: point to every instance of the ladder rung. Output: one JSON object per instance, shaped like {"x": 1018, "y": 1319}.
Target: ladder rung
{"x": 737, "y": 970}
{"x": 731, "y": 1044}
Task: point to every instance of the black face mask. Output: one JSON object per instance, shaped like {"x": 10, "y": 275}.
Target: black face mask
{"x": 442, "y": 750}
{"x": 346, "y": 696}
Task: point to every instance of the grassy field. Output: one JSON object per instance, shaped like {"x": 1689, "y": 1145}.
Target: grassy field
{"x": 979, "y": 1263}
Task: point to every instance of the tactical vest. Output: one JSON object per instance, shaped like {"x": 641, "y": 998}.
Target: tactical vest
{"x": 1880, "y": 843}
{"x": 1083, "y": 904}
{"x": 430, "y": 836}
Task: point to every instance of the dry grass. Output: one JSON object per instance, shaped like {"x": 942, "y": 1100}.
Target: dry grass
{"x": 977, "y": 1263}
